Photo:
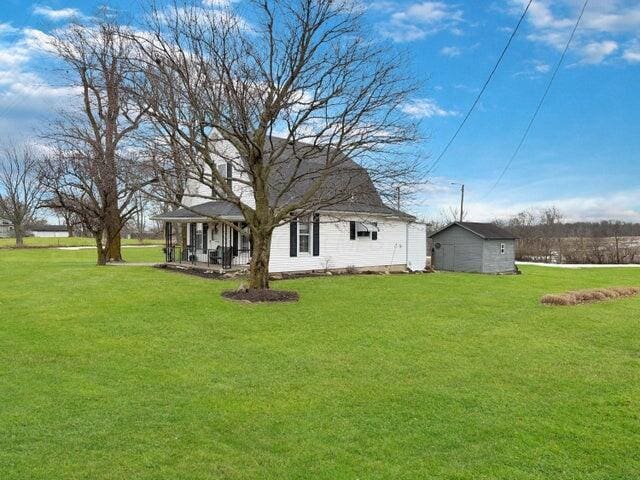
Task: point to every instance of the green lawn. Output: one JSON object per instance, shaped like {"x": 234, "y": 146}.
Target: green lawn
{"x": 69, "y": 242}
{"x": 138, "y": 373}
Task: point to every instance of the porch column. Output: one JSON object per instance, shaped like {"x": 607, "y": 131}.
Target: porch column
{"x": 168, "y": 241}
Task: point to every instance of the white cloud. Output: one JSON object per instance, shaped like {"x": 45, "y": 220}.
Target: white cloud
{"x": 631, "y": 56}
{"x": 381, "y": 6}
{"x": 542, "y": 68}
{"x": 25, "y": 96}
{"x": 426, "y": 108}
{"x": 596, "y": 52}
{"x": 428, "y": 12}
{"x": 218, "y": 3}
{"x": 419, "y": 20}
{"x": 56, "y": 15}
{"x": 605, "y": 25}
{"x": 441, "y": 196}
{"x": 534, "y": 69}
{"x": 632, "y": 52}
{"x": 7, "y": 28}
{"x": 618, "y": 206}
{"x": 451, "y": 51}
{"x": 170, "y": 13}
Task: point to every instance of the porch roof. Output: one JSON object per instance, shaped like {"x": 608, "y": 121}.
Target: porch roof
{"x": 203, "y": 212}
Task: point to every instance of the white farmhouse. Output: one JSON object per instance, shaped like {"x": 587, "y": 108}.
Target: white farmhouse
{"x": 361, "y": 233}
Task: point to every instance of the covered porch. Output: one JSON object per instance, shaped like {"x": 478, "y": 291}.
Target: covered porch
{"x": 224, "y": 244}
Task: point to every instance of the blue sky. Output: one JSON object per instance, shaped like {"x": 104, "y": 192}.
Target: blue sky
{"x": 581, "y": 155}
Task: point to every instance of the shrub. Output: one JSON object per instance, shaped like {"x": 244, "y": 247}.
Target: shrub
{"x": 351, "y": 269}
{"x": 589, "y": 296}
{"x": 558, "y": 300}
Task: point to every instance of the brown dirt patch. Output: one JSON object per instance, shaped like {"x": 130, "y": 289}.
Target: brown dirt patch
{"x": 250, "y": 295}
{"x": 589, "y": 296}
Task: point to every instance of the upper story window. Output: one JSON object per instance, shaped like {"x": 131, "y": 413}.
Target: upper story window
{"x": 502, "y": 248}
{"x": 225, "y": 170}
{"x": 229, "y": 174}
{"x": 304, "y": 234}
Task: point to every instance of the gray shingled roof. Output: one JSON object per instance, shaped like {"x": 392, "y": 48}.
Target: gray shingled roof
{"x": 217, "y": 208}
{"x": 348, "y": 179}
{"x": 487, "y": 231}
{"x": 46, "y": 228}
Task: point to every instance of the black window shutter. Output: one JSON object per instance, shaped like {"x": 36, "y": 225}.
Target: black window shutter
{"x": 316, "y": 235}
{"x": 374, "y": 235}
{"x": 352, "y": 230}
{"x": 293, "y": 238}
{"x": 192, "y": 234}
{"x": 234, "y": 244}
{"x": 229, "y": 174}
{"x": 205, "y": 236}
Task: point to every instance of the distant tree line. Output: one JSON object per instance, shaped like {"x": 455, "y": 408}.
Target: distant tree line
{"x": 545, "y": 237}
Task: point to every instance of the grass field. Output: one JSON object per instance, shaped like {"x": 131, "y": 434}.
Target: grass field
{"x": 137, "y": 373}
{"x": 69, "y": 242}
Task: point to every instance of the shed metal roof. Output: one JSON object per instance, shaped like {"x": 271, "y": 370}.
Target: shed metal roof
{"x": 487, "y": 231}
{"x": 47, "y": 228}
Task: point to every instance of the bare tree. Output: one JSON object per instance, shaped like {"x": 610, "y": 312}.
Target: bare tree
{"x": 551, "y": 220}
{"x": 70, "y": 219}
{"x": 302, "y": 70}
{"x": 97, "y": 57}
{"x": 73, "y": 182}
{"x": 20, "y": 194}
{"x": 139, "y": 217}
{"x": 166, "y": 163}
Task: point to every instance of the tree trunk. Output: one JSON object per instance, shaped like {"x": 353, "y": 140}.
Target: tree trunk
{"x": 114, "y": 252}
{"x": 259, "y": 269}
{"x": 19, "y": 237}
{"x": 102, "y": 252}
{"x": 114, "y": 244}
{"x": 113, "y": 219}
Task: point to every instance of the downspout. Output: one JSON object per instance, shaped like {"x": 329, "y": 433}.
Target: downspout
{"x": 406, "y": 246}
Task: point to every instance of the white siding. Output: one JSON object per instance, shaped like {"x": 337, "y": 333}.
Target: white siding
{"x": 50, "y": 234}
{"x": 417, "y": 246}
{"x": 338, "y": 251}
{"x": 199, "y": 193}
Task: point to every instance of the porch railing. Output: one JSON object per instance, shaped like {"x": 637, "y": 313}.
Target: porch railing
{"x": 222, "y": 256}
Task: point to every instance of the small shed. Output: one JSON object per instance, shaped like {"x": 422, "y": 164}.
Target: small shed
{"x": 53, "y": 231}
{"x": 473, "y": 247}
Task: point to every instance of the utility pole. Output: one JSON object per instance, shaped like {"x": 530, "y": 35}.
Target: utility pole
{"x": 398, "y": 197}
{"x": 462, "y": 203}
{"x": 461, "y": 185}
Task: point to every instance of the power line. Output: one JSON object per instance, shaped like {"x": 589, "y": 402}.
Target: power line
{"x": 541, "y": 102}
{"x": 482, "y": 90}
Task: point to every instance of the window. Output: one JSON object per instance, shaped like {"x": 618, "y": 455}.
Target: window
{"x": 304, "y": 234}
{"x": 502, "y": 248}
{"x": 229, "y": 174}
{"x": 245, "y": 242}
{"x": 199, "y": 239}
{"x": 364, "y": 230}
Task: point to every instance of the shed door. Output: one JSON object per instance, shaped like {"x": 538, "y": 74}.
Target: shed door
{"x": 448, "y": 257}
